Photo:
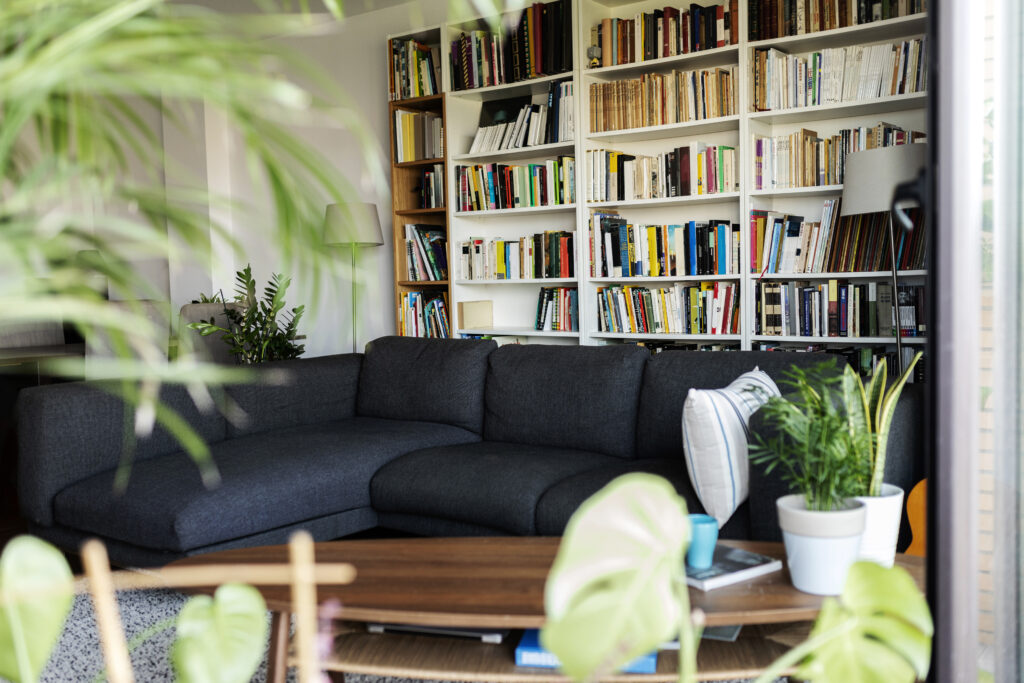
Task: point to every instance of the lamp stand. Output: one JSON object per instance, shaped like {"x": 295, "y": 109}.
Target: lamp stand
{"x": 355, "y": 316}
{"x": 895, "y": 298}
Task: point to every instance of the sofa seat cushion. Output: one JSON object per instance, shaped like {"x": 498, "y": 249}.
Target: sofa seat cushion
{"x": 268, "y": 480}
{"x": 560, "y": 501}
{"x": 492, "y": 484}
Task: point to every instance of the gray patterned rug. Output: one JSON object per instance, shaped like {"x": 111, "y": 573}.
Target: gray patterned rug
{"x": 77, "y": 657}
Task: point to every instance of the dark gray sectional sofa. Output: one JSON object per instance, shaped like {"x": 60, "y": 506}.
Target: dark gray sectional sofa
{"x": 432, "y": 437}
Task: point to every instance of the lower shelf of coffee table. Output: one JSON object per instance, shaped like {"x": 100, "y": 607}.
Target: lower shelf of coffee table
{"x": 459, "y": 659}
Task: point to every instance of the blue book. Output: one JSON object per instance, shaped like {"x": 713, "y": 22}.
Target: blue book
{"x": 627, "y": 267}
{"x": 776, "y": 236}
{"x": 723, "y": 246}
{"x": 529, "y": 652}
{"x": 692, "y": 245}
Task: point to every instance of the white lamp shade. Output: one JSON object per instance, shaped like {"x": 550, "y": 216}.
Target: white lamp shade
{"x": 356, "y": 223}
{"x": 872, "y": 176}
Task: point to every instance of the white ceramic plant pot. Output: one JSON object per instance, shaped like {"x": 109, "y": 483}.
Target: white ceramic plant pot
{"x": 820, "y": 546}
{"x": 881, "y": 525}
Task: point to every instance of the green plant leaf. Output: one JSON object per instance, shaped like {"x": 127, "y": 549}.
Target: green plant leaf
{"x": 36, "y": 595}
{"x": 220, "y": 639}
{"x": 612, "y": 592}
{"x": 879, "y": 631}
{"x": 886, "y": 410}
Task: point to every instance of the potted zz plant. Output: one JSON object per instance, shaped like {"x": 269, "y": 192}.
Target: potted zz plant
{"x": 821, "y": 459}
{"x": 871, "y": 410}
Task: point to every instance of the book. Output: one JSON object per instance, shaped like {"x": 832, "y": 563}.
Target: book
{"x": 485, "y": 635}
{"x": 531, "y": 653}
{"x": 476, "y": 314}
{"x": 731, "y": 565}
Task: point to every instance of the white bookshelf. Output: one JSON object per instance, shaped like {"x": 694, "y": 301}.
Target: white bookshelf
{"x": 515, "y": 300}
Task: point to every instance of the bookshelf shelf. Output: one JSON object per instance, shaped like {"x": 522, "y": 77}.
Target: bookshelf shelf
{"x": 522, "y": 281}
{"x": 878, "y": 105}
{"x": 427, "y": 102}
{"x": 836, "y": 340}
{"x": 719, "y": 56}
{"x": 421, "y": 212}
{"x": 662, "y": 279}
{"x": 671, "y": 130}
{"x": 673, "y": 337}
{"x": 860, "y": 275}
{"x": 519, "y": 332}
{"x": 422, "y": 283}
{"x": 534, "y": 86}
{"x": 420, "y": 162}
{"x": 815, "y": 191}
{"x": 872, "y": 32}
{"x": 552, "y": 149}
{"x": 667, "y": 201}
{"x": 557, "y": 208}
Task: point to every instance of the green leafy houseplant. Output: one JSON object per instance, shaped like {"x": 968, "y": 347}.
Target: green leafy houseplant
{"x": 617, "y": 589}
{"x": 821, "y": 456}
{"x": 262, "y": 331}
{"x": 871, "y": 411}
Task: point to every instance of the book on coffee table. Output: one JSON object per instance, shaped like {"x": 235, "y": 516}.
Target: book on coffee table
{"x": 530, "y": 652}
{"x": 731, "y": 565}
{"x": 486, "y": 635}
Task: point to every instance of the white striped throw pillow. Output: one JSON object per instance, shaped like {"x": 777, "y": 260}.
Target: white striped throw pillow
{"x": 715, "y": 440}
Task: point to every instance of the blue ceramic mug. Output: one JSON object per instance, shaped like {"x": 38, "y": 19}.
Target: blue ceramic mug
{"x": 703, "y": 537}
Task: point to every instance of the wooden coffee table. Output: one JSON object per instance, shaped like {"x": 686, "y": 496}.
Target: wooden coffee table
{"x": 497, "y": 582}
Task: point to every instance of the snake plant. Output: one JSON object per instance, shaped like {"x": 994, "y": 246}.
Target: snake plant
{"x": 871, "y": 410}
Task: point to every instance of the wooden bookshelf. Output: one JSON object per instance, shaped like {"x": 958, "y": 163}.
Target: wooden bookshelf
{"x": 406, "y": 179}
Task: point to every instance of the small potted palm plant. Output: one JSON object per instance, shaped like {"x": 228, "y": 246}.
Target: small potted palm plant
{"x": 821, "y": 459}
{"x": 871, "y": 410}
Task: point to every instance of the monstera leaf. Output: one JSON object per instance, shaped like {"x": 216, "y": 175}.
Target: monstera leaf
{"x": 617, "y": 588}
{"x": 220, "y": 639}
{"x": 35, "y": 598}
{"x": 879, "y": 631}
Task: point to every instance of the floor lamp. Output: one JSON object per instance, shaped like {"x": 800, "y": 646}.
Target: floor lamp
{"x": 869, "y": 183}
{"x": 353, "y": 226}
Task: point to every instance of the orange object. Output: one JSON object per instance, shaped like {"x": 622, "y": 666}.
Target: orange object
{"x": 917, "y": 514}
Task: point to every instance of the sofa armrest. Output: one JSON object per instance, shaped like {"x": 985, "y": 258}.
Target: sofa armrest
{"x": 68, "y": 432}
{"x": 904, "y": 465}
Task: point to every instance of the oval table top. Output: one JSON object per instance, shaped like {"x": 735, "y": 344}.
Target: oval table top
{"x": 498, "y": 582}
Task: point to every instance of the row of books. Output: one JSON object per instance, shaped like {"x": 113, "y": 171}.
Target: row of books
{"x": 684, "y": 308}
{"x": 550, "y": 254}
{"x": 426, "y": 250}
{"x": 621, "y": 249}
{"x": 696, "y": 169}
{"x": 661, "y": 99}
{"x": 415, "y": 69}
{"x": 535, "y": 124}
{"x": 558, "y": 309}
{"x": 424, "y": 314}
{"x": 803, "y": 159}
{"x": 539, "y": 43}
{"x": 843, "y": 74}
{"x": 660, "y": 345}
{"x": 503, "y": 186}
{"x": 862, "y": 358}
{"x": 418, "y": 135}
{"x": 838, "y": 309}
{"x": 768, "y": 19}
{"x": 431, "y": 188}
{"x": 783, "y": 243}
{"x": 665, "y": 33}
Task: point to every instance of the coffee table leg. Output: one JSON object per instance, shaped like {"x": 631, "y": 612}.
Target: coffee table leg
{"x": 277, "y": 658}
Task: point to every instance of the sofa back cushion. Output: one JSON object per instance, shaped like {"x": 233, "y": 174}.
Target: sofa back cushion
{"x": 432, "y": 380}
{"x": 581, "y": 397}
{"x": 670, "y": 375}
{"x": 296, "y": 392}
